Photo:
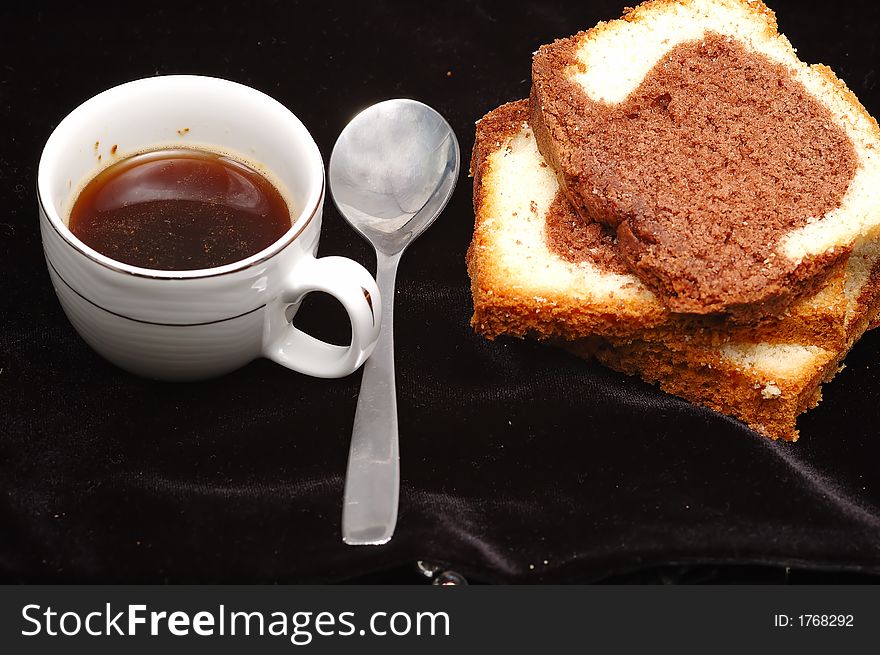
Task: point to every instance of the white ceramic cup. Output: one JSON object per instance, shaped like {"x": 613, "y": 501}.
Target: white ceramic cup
{"x": 187, "y": 325}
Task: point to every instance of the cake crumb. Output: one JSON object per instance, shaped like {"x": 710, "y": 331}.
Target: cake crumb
{"x": 770, "y": 391}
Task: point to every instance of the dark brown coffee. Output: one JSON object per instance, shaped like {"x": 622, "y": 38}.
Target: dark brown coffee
{"x": 179, "y": 209}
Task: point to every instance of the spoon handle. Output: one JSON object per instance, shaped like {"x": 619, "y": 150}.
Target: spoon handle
{"x": 372, "y": 482}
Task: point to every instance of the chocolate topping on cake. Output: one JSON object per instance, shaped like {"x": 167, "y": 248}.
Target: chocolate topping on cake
{"x": 703, "y": 169}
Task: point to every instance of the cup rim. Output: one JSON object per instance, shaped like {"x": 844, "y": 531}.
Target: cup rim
{"x": 298, "y": 225}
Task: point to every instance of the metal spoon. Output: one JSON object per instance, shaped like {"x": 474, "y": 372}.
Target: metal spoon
{"x": 392, "y": 171}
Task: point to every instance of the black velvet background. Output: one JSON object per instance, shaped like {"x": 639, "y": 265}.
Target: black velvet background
{"x": 519, "y": 463}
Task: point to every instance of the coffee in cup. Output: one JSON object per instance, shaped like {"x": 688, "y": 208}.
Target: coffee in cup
{"x": 179, "y": 209}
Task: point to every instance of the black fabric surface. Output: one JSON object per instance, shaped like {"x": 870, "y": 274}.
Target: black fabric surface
{"x": 519, "y": 462}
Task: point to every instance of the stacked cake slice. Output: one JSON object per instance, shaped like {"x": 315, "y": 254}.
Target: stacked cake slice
{"x": 682, "y": 199}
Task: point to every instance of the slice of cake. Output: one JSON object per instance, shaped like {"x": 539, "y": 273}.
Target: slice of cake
{"x": 765, "y": 385}
{"x": 537, "y": 268}
{"x": 734, "y": 176}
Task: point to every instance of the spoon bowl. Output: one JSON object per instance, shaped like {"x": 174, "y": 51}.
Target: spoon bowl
{"x": 392, "y": 171}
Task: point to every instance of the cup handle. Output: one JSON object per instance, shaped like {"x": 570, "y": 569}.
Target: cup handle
{"x": 351, "y": 285}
